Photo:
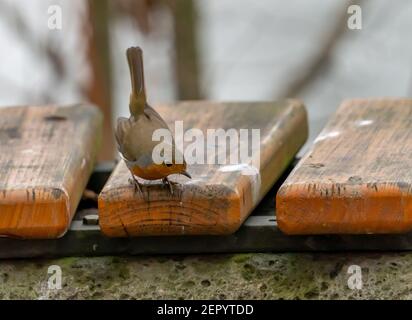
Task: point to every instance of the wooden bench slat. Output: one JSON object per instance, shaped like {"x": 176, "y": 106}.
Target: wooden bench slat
{"x": 218, "y": 199}
{"x": 47, "y": 154}
{"x": 357, "y": 178}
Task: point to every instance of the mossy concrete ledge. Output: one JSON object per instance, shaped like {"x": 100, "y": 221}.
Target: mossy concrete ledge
{"x": 245, "y": 276}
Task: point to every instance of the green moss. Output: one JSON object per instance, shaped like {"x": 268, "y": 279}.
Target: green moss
{"x": 66, "y": 262}
{"x": 255, "y": 276}
{"x": 241, "y": 258}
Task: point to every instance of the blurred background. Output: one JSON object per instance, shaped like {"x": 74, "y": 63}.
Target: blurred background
{"x": 204, "y": 49}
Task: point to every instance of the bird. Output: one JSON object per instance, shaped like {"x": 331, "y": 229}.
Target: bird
{"x": 134, "y": 134}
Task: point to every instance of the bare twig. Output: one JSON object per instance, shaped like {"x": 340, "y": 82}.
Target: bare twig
{"x": 41, "y": 46}
{"x": 320, "y": 60}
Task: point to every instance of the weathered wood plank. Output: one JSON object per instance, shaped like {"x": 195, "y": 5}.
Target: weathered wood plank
{"x": 46, "y": 157}
{"x": 259, "y": 233}
{"x": 218, "y": 198}
{"x": 357, "y": 178}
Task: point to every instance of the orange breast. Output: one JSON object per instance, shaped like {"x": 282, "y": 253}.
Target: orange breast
{"x": 152, "y": 172}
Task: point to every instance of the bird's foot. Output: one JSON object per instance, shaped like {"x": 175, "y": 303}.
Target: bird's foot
{"x": 137, "y": 187}
{"x": 166, "y": 181}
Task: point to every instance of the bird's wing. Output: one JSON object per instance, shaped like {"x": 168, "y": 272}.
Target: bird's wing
{"x": 134, "y": 137}
{"x": 153, "y": 115}
{"x": 119, "y": 132}
{"x": 123, "y": 125}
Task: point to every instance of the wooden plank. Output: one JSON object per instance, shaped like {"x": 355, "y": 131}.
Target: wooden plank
{"x": 46, "y": 157}
{"x": 357, "y": 177}
{"x": 259, "y": 233}
{"x": 218, "y": 198}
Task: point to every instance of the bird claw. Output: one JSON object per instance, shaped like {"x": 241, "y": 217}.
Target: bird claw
{"x": 170, "y": 183}
{"x": 137, "y": 186}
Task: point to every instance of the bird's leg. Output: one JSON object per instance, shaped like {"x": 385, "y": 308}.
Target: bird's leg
{"x": 168, "y": 182}
{"x": 136, "y": 184}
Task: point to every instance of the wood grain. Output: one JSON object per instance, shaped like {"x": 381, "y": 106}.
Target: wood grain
{"x": 46, "y": 157}
{"x": 218, "y": 198}
{"x": 357, "y": 178}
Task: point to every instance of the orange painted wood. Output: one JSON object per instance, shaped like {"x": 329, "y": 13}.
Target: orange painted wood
{"x": 46, "y": 157}
{"x": 218, "y": 198}
{"x": 357, "y": 177}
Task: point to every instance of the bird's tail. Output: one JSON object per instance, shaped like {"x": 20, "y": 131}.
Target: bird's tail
{"x": 138, "y": 94}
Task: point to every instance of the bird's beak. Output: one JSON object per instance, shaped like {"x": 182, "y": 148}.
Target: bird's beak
{"x": 185, "y": 173}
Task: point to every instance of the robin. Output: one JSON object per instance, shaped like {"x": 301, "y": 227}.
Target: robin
{"x": 134, "y": 134}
